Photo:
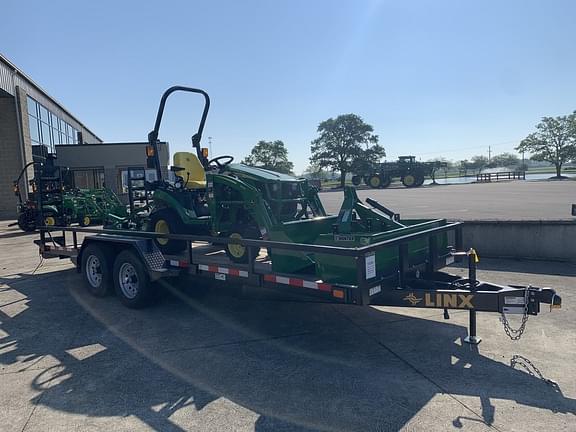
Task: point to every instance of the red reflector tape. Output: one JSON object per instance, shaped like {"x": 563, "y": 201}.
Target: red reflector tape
{"x": 176, "y": 263}
{"x": 223, "y": 270}
{"x": 302, "y": 283}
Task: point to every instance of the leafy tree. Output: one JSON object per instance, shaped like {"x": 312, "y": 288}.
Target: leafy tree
{"x": 271, "y": 155}
{"x": 345, "y": 143}
{"x": 554, "y": 141}
{"x": 479, "y": 162}
{"x": 505, "y": 160}
{"x": 314, "y": 172}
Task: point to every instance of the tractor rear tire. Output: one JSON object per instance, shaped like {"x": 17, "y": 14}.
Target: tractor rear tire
{"x": 166, "y": 221}
{"x": 238, "y": 253}
{"x": 375, "y": 181}
{"x": 26, "y": 223}
{"x": 356, "y": 180}
{"x": 96, "y": 270}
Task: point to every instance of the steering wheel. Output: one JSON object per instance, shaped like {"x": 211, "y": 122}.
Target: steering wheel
{"x": 216, "y": 161}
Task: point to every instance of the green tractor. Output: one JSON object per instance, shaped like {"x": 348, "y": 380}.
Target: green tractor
{"x": 218, "y": 197}
{"x": 52, "y": 202}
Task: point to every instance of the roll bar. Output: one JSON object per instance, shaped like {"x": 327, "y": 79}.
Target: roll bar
{"x": 196, "y": 138}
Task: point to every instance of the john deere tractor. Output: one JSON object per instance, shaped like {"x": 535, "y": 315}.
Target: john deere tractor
{"x": 218, "y": 197}
{"x": 53, "y": 201}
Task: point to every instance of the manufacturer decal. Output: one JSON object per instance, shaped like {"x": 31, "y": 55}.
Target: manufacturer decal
{"x": 413, "y": 299}
{"x": 457, "y": 301}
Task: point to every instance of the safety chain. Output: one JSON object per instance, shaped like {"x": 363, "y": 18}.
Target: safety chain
{"x": 531, "y": 369}
{"x": 516, "y": 334}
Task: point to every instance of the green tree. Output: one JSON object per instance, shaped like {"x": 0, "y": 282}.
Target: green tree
{"x": 479, "y": 162}
{"x": 554, "y": 141}
{"x": 505, "y": 160}
{"x": 343, "y": 143}
{"x": 271, "y": 155}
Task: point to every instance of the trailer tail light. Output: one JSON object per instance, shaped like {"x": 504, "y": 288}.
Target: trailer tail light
{"x": 338, "y": 293}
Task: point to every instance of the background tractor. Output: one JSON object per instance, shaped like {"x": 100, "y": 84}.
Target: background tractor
{"x": 54, "y": 202}
{"x": 411, "y": 173}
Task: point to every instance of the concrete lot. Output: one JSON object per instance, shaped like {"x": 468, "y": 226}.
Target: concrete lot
{"x": 231, "y": 363}
{"x": 515, "y": 200}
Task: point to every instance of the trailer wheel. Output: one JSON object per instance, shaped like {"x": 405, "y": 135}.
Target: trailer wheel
{"x": 166, "y": 222}
{"x": 356, "y": 180}
{"x": 131, "y": 280}
{"x": 96, "y": 270}
{"x": 238, "y": 253}
{"x": 374, "y": 181}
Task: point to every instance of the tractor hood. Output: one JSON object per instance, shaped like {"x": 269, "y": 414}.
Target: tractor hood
{"x": 259, "y": 173}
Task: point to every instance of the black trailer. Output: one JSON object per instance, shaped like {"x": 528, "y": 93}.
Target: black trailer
{"x": 130, "y": 264}
{"x": 410, "y": 172}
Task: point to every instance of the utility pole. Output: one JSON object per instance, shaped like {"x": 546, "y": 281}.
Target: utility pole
{"x": 210, "y": 145}
{"x": 489, "y": 154}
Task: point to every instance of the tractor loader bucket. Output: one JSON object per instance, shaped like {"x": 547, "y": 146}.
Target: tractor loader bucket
{"x": 356, "y": 225}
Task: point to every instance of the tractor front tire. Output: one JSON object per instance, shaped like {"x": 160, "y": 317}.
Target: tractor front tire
{"x": 167, "y": 222}
{"x": 84, "y": 221}
{"x": 385, "y": 181}
{"x": 410, "y": 180}
{"x": 239, "y": 253}
{"x": 374, "y": 181}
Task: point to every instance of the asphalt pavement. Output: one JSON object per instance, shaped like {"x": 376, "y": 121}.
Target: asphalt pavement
{"x": 232, "y": 362}
{"x": 506, "y": 200}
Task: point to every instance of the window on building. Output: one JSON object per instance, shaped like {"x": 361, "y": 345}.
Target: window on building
{"x": 92, "y": 178}
{"x": 47, "y": 129}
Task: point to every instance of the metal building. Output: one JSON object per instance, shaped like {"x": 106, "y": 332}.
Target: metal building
{"x": 33, "y": 122}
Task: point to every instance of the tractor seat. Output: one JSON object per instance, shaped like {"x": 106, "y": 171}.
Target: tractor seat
{"x": 190, "y": 169}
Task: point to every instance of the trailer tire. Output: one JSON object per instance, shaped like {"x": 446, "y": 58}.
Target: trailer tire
{"x": 375, "y": 181}
{"x": 166, "y": 222}
{"x": 239, "y": 253}
{"x": 96, "y": 270}
{"x": 356, "y": 180}
{"x": 131, "y": 281}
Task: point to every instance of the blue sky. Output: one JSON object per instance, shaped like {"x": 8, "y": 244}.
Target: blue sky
{"x": 434, "y": 78}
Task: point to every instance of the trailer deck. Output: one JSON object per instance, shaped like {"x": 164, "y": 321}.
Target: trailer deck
{"x": 416, "y": 286}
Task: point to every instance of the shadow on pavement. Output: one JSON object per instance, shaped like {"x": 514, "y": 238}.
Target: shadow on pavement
{"x": 297, "y": 366}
